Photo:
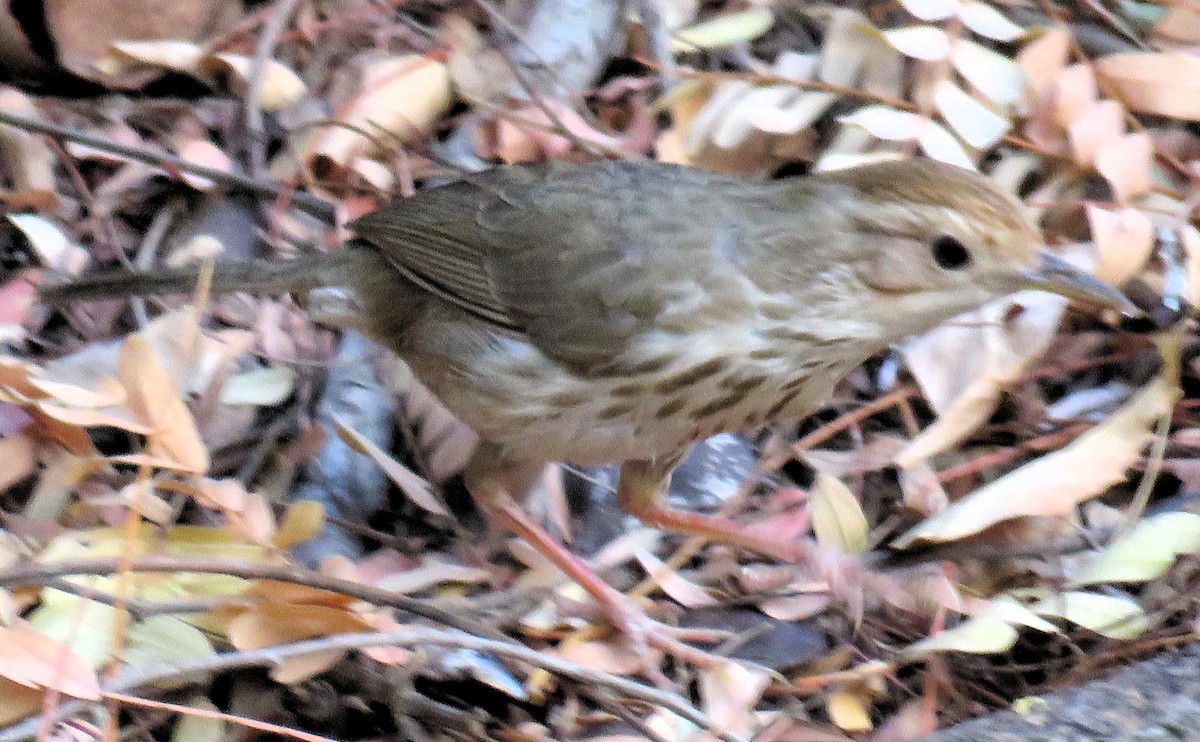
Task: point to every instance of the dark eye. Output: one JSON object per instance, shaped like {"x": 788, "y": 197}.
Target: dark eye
{"x": 950, "y": 254}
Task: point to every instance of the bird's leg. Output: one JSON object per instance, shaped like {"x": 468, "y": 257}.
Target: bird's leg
{"x": 489, "y": 477}
{"x": 642, "y": 492}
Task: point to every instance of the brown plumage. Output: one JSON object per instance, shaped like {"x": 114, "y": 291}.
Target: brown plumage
{"x": 618, "y": 312}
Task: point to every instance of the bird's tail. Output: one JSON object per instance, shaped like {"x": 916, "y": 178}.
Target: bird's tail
{"x": 258, "y": 277}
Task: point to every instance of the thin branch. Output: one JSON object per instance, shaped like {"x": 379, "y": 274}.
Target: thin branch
{"x": 42, "y": 574}
{"x": 318, "y": 207}
{"x": 252, "y": 106}
{"x": 132, "y": 678}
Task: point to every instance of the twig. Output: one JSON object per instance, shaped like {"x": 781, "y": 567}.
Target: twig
{"x": 42, "y": 574}
{"x": 318, "y": 207}
{"x": 137, "y": 677}
{"x": 252, "y": 106}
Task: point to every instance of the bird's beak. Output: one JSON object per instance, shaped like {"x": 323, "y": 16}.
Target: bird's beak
{"x": 1060, "y": 277}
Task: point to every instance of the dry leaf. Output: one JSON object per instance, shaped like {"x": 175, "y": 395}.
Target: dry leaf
{"x": 1057, "y": 482}
{"x": 887, "y": 123}
{"x": 962, "y": 367}
{"x": 849, "y": 710}
{"x": 1124, "y": 241}
{"x": 272, "y": 624}
{"x": 602, "y": 657}
{"x": 942, "y": 146}
{"x": 16, "y": 460}
{"x": 837, "y": 516}
{"x": 81, "y": 34}
{"x": 991, "y": 73}
{"x": 37, "y": 661}
{"x": 729, "y": 692}
{"x": 263, "y": 386}
{"x": 398, "y": 99}
{"x": 281, "y": 87}
{"x": 985, "y": 20}
{"x": 302, "y": 520}
{"x": 732, "y": 28}
{"x": 1166, "y": 84}
{"x": 1114, "y": 616}
{"x": 927, "y": 43}
{"x": 682, "y": 591}
{"x": 1147, "y": 551}
{"x": 54, "y": 249}
{"x": 153, "y": 400}
{"x": 977, "y": 124}
{"x": 1042, "y": 58}
{"x": 29, "y": 160}
{"x": 931, "y": 10}
{"x": 1126, "y": 164}
{"x": 1098, "y": 126}
{"x": 417, "y": 489}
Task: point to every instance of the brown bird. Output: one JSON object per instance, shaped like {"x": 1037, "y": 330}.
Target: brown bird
{"x": 619, "y": 311}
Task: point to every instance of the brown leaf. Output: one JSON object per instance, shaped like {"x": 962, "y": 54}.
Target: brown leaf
{"x": 398, "y": 99}
{"x": 1166, "y": 84}
{"x": 1057, "y": 482}
{"x": 82, "y": 34}
{"x": 153, "y": 400}
{"x": 1101, "y": 124}
{"x": 1126, "y": 164}
{"x": 37, "y": 661}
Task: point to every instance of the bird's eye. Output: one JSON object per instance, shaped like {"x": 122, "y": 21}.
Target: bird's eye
{"x": 950, "y": 254}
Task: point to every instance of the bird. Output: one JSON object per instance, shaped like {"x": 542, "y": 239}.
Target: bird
{"x": 621, "y": 311}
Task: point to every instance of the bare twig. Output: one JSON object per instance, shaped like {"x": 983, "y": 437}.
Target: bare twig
{"x": 141, "y": 676}
{"x": 42, "y": 574}
{"x": 252, "y": 106}
{"x": 316, "y": 206}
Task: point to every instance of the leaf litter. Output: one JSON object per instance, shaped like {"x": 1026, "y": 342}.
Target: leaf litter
{"x": 175, "y": 431}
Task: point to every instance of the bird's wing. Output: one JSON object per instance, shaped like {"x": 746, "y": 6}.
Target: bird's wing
{"x": 581, "y": 259}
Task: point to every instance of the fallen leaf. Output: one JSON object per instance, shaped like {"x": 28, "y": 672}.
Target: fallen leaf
{"x": 602, "y": 657}
{"x": 1057, "y": 482}
{"x": 302, "y": 521}
{"x": 1042, "y": 58}
{"x": 153, "y": 400}
{"x": 837, "y": 516}
{"x": 1100, "y": 125}
{"x": 1166, "y": 83}
{"x": 985, "y": 20}
{"x": 398, "y": 99}
{"x": 991, "y": 73}
{"x": 977, "y": 124}
{"x": 928, "y": 43}
{"x": 1114, "y": 616}
{"x": 1126, "y": 163}
{"x": 417, "y": 489}
{"x": 849, "y": 710}
{"x": 53, "y": 248}
{"x": 941, "y": 145}
{"x": 887, "y": 123}
{"x": 281, "y": 87}
{"x": 1124, "y": 241}
{"x": 1147, "y": 551}
{"x": 931, "y": 10}
{"x": 37, "y": 661}
{"x": 264, "y": 386}
{"x": 682, "y": 591}
{"x": 729, "y": 692}
{"x": 723, "y": 30}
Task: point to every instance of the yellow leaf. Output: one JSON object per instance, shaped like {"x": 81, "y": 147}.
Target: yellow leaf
{"x": 302, "y": 520}
{"x": 849, "y": 710}
{"x": 1147, "y": 551}
{"x": 837, "y": 517}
